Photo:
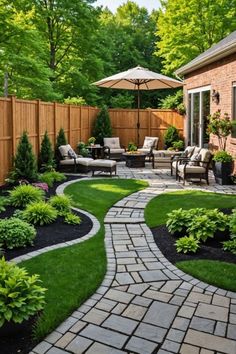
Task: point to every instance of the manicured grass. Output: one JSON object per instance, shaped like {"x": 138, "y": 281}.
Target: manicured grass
{"x": 220, "y": 274}
{"x": 72, "y": 274}
{"x": 158, "y": 208}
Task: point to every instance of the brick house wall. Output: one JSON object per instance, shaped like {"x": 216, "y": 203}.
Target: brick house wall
{"x": 220, "y": 75}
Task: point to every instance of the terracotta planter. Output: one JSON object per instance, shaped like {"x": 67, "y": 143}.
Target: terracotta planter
{"x": 222, "y": 172}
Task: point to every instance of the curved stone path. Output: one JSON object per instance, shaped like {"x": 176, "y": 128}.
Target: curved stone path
{"x": 145, "y": 304}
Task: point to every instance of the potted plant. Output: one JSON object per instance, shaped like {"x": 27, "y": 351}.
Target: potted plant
{"x": 221, "y": 126}
{"x": 91, "y": 140}
{"x": 21, "y": 297}
{"x": 177, "y": 145}
{"x": 132, "y": 147}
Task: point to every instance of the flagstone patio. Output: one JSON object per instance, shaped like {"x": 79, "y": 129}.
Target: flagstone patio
{"x": 145, "y": 304}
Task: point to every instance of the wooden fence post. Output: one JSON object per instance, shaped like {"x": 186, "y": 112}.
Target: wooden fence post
{"x": 55, "y": 122}
{"x": 69, "y": 124}
{"x": 38, "y": 125}
{"x": 13, "y": 119}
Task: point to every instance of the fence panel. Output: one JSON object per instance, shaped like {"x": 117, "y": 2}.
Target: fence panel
{"x": 36, "y": 117}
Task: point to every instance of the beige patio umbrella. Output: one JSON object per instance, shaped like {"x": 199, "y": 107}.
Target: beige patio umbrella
{"x": 138, "y": 79}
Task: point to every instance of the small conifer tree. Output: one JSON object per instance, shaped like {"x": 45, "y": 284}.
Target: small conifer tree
{"x": 25, "y": 166}
{"x": 61, "y": 140}
{"x": 102, "y": 128}
{"x": 46, "y": 156}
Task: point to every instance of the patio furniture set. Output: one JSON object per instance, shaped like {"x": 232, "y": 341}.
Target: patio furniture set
{"x": 192, "y": 163}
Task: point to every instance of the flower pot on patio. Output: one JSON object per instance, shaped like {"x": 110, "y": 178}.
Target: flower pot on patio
{"x": 222, "y": 172}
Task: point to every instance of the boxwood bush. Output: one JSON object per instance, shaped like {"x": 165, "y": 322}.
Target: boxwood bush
{"x": 16, "y": 233}
{"x": 21, "y": 295}
{"x": 22, "y": 195}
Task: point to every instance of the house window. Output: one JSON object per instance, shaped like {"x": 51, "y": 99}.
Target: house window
{"x": 234, "y": 109}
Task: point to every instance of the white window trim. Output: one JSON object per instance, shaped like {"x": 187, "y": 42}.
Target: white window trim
{"x": 201, "y": 89}
{"x": 234, "y": 84}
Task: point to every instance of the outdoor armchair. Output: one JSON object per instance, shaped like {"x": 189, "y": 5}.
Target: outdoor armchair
{"x": 150, "y": 143}
{"x": 112, "y": 148}
{"x": 69, "y": 159}
{"x": 184, "y": 157}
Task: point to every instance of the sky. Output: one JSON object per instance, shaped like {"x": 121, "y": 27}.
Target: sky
{"x": 113, "y": 4}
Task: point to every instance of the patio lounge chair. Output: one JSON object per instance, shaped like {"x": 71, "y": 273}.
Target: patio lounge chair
{"x": 196, "y": 167}
{"x": 112, "y": 148}
{"x": 69, "y": 159}
{"x": 150, "y": 143}
{"x": 184, "y": 157}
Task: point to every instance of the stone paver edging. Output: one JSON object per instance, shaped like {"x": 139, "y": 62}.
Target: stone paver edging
{"x": 145, "y": 304}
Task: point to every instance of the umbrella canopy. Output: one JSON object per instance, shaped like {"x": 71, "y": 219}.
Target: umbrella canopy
{"x": 138, "y": 79}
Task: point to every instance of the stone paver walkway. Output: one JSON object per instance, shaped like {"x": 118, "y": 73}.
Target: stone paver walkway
{"x": 145, "y": 304}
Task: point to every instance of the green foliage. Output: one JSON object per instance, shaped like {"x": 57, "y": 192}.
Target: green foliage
{"x": 22, "y": 195}
{"x": 132, "y": 146}
{"x": 16, "y": 233}
{"x": 102, "y": 127}
{"x": 21, "y": 295}
{"x": 46, "y": 156}
{"x": 51, "y": 177}
{"x": 221, "y": 126}
{"x": 60, "y": 140}
{"x": 177, "y": 220}
{"x": 201, "y": 228}
{"x": 82, "y": 149}
{"x": 232, "y": 224}
{"x": 72, "y": 219}
{"x": 178, "y": 145}
{"x": 174, "y": 101}
{"x": 76, "y": 101}
{"x": 61, "y": 203}
{"x": 3, "y": 202}
{"x": 230, "y": 246}
{"x": 222, "y": 156}
{"x": 39, "y": 213}
{"x": 171, "y": 135}
{"x": 122, "y": 100}
{"x": 91, "y": 140}
{"x": 187, "y": 28}
{"x": 25, "y": 161}
{"x": 187, "y": 244}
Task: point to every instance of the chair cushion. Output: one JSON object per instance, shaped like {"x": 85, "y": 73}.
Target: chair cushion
{"x": 205, "y": 157}
{"x": 191, "y": 169}
{"x": 102, "y": 163}
{"x": 189, "y": 151}
{"x": 117, "y": 151}
{"x": 174, "y": 165}
{"x": 79, "y": 161}
{"x": 72, "y": 154}
{"x": 64, "y": 150}
{"x": 145, "y": 150}
{"x": 149, "y": 142}
{"x": 112, "y": 143}
{"x": 194, "y": 160}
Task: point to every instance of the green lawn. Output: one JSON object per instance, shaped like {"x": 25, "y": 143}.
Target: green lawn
{"x": 72, "y": 274}
{"x": 213, "y": 272}
{"x": 158, "y": 208}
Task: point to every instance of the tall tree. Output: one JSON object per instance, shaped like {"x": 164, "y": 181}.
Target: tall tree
{"x": 188, "y": 27}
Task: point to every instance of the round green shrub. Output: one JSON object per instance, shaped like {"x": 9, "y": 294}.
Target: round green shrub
{"x": 21, "y": 295}
{"x": 40, "y": 213}
{"x": 187, "y": 244}
{"x": 16, "y": 233}
{"x": 22, "y": 195}
{"x": 61, "y": 203}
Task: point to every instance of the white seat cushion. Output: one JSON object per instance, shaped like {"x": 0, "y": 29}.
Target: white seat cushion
{"x": 146, "y": 151}
{"x": 112, "y": 143}
{"x": 102, "y": 163}
{"x": 79, "y": 161}
{"x": 64, "y": 149}
{"x": 191, "y": 169}
{"x": 117, "y": 151}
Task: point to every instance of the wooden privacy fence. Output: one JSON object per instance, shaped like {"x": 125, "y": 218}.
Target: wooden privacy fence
{"x": 36, "y": 117}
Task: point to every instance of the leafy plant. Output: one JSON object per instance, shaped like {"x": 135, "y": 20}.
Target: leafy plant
{"x": 177, "y": 220}
{"x": 221, "y": 126}
{"x": 16, "y": 233}
{"x": 72, "y": 219}
{"x": 232, "y": 224}
{"x": 201, "y": 228}
{"x": 46, "y": 156}
{"x": 222, "y": 156}
{"x": 77, "y": 101}
{"x": 102, "y": 127}
{"x": 22, "y": 195}
{"x": 187, "y": 244}
{"x": 82, "y": 148}
{"x": 132, "y": 146}
{"x": 230, "y": 246}
{"x": 51, "y": 177}
{"x": 24, "y": 161}
{"x": 178, "y": 145}
{"x": 40, "y": 213}
{"x": 61, "y": 203}
{"x": 21, "y": 295}
{"x": 171, "y": 136}
{"x": 3, "y": 202}
{"x": 91, "y": 140}
{"x": 60, "y": 140}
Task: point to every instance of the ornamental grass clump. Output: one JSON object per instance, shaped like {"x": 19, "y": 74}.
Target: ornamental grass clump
{"x": 21, "y": 295}
{"x": 16, "y": 233}
{"x": 39, "y": 213}
{"x": 72, "y": 219}
{"x": 61, "y": 203}
{"x": 51, "y": 177}
{"x": 23, "y": 195}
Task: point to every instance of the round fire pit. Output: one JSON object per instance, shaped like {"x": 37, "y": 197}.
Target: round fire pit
{"x": 134, "y": 160}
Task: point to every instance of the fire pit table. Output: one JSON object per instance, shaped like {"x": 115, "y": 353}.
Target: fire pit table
{"x": 134, "y": 160}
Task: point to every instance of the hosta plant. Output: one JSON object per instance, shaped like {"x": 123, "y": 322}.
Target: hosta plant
{"x": 3, "y": 202}
{"x": 177, "y": 220}
{"x": 232, "y": 224}
{"x": 24, "y": 194}
{"x": 72, "y": 219}
{"x": 40, "y": 213}
{"x": 230, "y": 246}
{"x": 21, "y": 295}
{"x": 61, "y": 203}
{"x": 16, "y": 233}
{"x": 187, "y": 244}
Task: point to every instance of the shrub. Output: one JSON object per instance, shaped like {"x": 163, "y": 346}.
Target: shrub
{"x": 77, "y": 101}
{"x": 40, "y": 213}
{"x": 221, "y": 126}
{"x": 232, "y": 224}
{"x": 60, "y": 140}
{"x": 187, "y": 244}
{"x": 222, "y": 156}
{"x": 16, "y": 233}
{"x": 82, "y": 149}
{"x": 177, "y": 220}
{"x": 51, "y": 177}
{"x": 178, "y": 145}
{"x": 230, "y": 246}
{"x": 102, "y": 127}
{"x": 61, "y": 203}
{"x": 201, "y": 228}
{"x": 25, "y": 162}
{"x": 72, "y": 219}
{"x": 21, "y": 295}
{"x": 171, "y": 136}
{"x": 3, "y": 202}
{"x": 22, "y": 195}
{"x": 46, "y": 156}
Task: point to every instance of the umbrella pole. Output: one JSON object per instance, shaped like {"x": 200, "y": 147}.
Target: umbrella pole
{"x": 138, "y": 123}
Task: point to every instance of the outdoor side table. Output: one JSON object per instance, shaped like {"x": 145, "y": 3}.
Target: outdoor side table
{"x": 96, "y": 151}
{"x": 134, "y": 160}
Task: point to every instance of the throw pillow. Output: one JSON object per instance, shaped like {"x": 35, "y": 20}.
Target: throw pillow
{"x": 194, "y": 160}
{"x": 72, "y": 154}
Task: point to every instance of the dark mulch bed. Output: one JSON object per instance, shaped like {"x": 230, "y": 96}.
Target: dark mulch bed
{"x": 212, "y": 249}
{"x": 58, "y": 232}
